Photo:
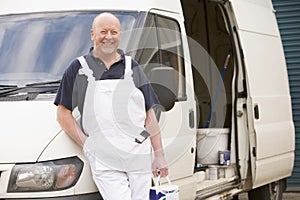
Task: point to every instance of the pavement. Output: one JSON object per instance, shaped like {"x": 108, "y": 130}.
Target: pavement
{"x": 291, "y": 196}
{"x": 286, "y": 196}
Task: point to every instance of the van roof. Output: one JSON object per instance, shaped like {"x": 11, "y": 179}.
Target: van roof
{"x": 30, "y": 6}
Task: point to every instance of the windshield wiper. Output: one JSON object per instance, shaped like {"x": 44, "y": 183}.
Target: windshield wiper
{"x": 9, "y": 91}
{"x": 4, "y": 87}
{"x": 44, "y": 84}
{"x": 41, "y": 87}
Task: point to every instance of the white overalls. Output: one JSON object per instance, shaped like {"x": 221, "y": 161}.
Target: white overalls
{"x": 113, "y": 115}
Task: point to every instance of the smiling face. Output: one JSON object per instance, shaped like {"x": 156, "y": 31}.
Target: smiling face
{"x": 106, "y": 34}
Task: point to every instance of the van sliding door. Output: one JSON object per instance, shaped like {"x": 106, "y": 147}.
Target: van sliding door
{"x": 268, "y": 103}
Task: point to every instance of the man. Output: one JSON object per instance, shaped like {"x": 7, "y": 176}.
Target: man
{"x": 116, "y": 107}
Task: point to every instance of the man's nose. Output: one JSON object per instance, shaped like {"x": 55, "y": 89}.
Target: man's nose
{"x": 108, "y": 35}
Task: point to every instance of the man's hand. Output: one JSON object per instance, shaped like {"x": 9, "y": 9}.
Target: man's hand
{"x": 159, "y": 165}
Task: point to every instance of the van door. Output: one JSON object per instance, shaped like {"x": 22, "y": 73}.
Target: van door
{"x": 271, "y": 127}
{"x": 160, "y": 53}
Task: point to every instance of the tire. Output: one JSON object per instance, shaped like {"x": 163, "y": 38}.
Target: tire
{"x": 272, "y": 191}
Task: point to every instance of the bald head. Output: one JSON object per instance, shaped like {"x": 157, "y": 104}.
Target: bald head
{"x": 106, "y": 18}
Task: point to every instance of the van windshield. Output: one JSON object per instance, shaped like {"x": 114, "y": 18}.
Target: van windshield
{"x": 39, "y": 47}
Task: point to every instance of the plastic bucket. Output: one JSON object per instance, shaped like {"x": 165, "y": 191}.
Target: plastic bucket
{"x": 209, "y": 142}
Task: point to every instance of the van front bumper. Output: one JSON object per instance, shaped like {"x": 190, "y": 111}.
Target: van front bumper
{"x": 92, "y": 196}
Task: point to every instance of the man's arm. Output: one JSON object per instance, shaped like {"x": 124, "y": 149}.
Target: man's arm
{"x": 69, "y": 125}
{"x": 152, "y": 127}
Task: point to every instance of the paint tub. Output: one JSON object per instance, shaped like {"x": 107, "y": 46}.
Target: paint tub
{"x": 209, "y": 142}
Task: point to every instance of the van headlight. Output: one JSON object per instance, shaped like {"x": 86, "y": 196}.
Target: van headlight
{"x": 45, "y": 176}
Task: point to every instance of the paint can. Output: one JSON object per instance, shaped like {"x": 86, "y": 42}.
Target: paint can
{"x": 224, "y": 157}
{"x": 213, "y": 172}
{"x": 221, "y": 172}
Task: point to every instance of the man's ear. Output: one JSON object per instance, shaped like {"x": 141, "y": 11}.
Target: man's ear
{"x": 92, "y": 34}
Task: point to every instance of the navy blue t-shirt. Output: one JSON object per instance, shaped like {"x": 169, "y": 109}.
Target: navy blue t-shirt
{"x": 71, "y": 92}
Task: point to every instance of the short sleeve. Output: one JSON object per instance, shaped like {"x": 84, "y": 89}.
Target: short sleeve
{"x": 65, "y": 91}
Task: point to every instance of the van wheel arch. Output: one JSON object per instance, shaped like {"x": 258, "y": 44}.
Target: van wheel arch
{"x": 272, "y": 191}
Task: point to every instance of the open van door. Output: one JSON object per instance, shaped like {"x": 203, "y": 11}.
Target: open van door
{"x": 270, "y": 122}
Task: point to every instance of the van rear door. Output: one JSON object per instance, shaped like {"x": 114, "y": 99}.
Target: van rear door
{"x": 268, "y": 102}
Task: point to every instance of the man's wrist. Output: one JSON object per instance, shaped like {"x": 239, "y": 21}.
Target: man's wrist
{"x": 159, "y": 153}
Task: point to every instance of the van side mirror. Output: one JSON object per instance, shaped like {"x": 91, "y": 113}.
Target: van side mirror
{"x": 164, "y": 81}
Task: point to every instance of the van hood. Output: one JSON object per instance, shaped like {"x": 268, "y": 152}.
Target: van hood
{"x": 27, "y": 127}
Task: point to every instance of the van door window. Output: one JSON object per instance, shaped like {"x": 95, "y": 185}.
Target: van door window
{"x": 161, "y": 57}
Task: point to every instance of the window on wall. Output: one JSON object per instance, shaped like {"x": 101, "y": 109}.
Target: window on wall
{"x": 161, "y": 56}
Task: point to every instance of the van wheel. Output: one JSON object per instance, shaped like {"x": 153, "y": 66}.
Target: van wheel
{"x": 272, "y": 191}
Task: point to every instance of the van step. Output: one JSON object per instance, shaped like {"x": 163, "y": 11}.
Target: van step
{"x": 209, "y": 187}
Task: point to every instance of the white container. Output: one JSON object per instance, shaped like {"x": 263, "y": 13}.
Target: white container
{"x": 209, "y": 142}
{"x": 213, "y": 173}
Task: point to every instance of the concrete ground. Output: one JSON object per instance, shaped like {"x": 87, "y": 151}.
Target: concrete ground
{"x": 286, "y": 196}
{"x": 291, "y": 196}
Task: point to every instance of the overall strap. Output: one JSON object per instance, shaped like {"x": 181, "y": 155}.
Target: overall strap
{"x": 128, "y": 70}
{"x": 85, "y": 70}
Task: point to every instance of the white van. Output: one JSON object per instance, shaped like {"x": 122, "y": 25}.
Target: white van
{"x": 217, "y": 66}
